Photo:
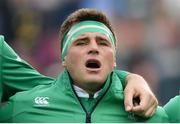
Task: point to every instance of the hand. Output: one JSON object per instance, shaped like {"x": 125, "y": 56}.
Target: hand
{"x": 139, "y": 99}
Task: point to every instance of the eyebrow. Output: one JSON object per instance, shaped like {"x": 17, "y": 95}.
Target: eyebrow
{"x": 81, "y": 38}
{"x": 101, "y": 36}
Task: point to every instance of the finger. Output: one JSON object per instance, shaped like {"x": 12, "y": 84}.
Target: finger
{"x": 145, "y": 109}
{"x": 128, "y": 100}
{"x": 150, "y": 112}
{"x": 145, "y": 102}
{"x": 142, "y": 106}
{"x": 137, "y": 109}
{"x": 136, "y": 101}
{"x": 153, "y": 112}
{"x": 149, "y": 104}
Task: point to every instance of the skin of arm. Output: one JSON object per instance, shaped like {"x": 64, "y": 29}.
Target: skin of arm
{"x": 138, "y": 96}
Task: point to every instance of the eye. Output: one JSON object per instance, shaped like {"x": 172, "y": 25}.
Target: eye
{"x": 80, "y": 42}
{"x": 104, "y": 43}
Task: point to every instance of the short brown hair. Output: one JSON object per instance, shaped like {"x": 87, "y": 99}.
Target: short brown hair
{"x": 83, "y": 15}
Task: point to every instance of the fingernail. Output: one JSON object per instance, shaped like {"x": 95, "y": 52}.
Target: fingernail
{"x": 128, "y": 108}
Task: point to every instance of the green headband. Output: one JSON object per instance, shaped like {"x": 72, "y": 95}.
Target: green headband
{"x": 83, "y": 27}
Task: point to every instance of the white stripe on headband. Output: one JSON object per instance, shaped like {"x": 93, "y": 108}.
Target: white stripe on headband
{"x": 78, "y": 29}
{"x": 99, "y": 27}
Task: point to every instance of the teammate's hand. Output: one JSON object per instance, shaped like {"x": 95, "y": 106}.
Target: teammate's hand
{"x": 139, "y": 99}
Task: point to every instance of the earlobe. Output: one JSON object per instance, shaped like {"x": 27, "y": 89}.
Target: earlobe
{"x": 64, "y": 62}
{"x": 115, "y": 64}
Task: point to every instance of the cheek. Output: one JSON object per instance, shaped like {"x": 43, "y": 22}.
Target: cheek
{"x": 72, "y": 55}
{"x": 73, "y": 59}
{"x": 110, "y": 58}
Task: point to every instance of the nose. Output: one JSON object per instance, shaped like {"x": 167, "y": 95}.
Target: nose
{"x": 93, "y": 47}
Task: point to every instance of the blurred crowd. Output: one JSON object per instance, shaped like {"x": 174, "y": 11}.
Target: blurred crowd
{"x": 148, "y": 33}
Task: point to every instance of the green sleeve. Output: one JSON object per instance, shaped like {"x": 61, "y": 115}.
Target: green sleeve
{"x": 16, "y": 74}
{"x": 159, "y": 116}
{"x": 172, "y": 108}
{"x": 122, "y": 75}
{"x": 6, "y": 112}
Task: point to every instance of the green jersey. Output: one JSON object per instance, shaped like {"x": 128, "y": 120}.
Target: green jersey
{"x": 16, "y": 74}
{"x": 58, "y": 102}
{"x": 172, "y": 108}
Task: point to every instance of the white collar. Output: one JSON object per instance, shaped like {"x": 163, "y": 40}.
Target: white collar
{"x": 82, "y": 93}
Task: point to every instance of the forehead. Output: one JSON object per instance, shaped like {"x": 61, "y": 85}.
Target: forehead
{"x": 92, "y": 34}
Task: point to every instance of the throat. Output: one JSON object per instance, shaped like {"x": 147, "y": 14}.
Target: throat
{"x": 84, "y": 93}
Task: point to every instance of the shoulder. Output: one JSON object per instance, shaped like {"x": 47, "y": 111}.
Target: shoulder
{"x": 173, "y": 103}
{"x": 5, "y": 50}
{"x": 172, "y": 108}
{"x": 160, "y": 116}
{"x": 1, "y": 42}
{"x": 30, "y": 95}
{"x": 116, "y": 84}
{"x": 1, "y": 39}
{"x": 121, "y": 75}
{"x": 24, "y": 102}
{"x": 38, "y": 96}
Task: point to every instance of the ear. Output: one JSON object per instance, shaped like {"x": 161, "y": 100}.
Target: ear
{"x": 64, "y": 62}
{"x": 115, "y": 61}
{"x": 115, "y": 64}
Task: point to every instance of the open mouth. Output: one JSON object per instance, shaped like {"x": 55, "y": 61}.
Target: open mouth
{"x": 93, "y": 64}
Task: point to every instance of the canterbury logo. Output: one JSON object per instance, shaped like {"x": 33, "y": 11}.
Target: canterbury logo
{"x": 41, "y": 101}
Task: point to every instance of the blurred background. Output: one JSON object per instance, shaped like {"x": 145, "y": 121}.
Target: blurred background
{"x": 148, "y": 33}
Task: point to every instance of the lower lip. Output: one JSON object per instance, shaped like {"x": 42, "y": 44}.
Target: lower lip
{"x": 93, "y": 69}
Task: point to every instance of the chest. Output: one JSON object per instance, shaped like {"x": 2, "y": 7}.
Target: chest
{"x": 67, "y": 108}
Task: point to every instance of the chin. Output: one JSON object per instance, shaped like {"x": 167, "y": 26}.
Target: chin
{"x": 95, "y": 81}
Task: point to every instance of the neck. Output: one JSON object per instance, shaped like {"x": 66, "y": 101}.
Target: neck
{"x": 90, "y": 88}
{"x": 83, "y": 94}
